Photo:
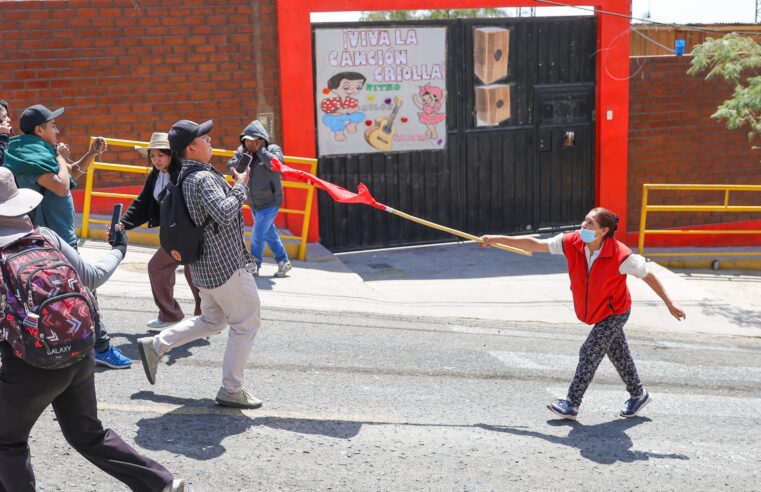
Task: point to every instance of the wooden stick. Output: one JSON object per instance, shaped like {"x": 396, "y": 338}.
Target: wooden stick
{"x": 454, "y": 232}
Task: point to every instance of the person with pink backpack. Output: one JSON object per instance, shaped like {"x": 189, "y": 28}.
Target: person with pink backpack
{"x": 47, "y": 334}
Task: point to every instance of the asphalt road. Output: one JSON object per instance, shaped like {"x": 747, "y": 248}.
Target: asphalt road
{"x": 371, "y": 402}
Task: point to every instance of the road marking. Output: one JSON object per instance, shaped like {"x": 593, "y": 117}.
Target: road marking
{"x": 567, "y": 363}
{"x": 163, "y": 408}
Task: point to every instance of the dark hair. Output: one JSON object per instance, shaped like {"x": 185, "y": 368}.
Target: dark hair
{"x": 335, "y": 81}
{"x": 605, "y": 218}
{"x": 176, "y": 163}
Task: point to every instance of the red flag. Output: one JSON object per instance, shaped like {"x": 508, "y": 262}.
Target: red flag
{"x": 341, "y": 195}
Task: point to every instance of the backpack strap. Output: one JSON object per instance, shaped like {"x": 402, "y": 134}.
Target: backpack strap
{"x": 184, "y": 174}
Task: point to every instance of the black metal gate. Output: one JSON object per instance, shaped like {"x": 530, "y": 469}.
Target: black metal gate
{"x": 533, "y": 171}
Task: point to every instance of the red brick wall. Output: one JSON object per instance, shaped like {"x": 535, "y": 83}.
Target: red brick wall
{"x": 126, "y": 68}
{"x": 673, "y": 139}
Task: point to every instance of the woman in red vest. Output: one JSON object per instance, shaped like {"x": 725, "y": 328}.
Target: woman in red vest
{"x": 598, "y": 266}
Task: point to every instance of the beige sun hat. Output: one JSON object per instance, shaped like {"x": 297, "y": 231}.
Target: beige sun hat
{"x": 158, "y": 141}
{"x": 14, "y": 203}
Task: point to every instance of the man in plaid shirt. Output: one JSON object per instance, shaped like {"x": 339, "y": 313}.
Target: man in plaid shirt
{"x": 223, "y": 273}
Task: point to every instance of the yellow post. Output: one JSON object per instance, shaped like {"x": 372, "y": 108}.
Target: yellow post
{"x": 88, "y": 199}
{"x": 642, "y": 221}
{"x": 307, "y": 214}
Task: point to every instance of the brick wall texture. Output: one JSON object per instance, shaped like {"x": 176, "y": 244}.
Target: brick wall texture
{"x": 673, "y": 139}
{"x": 126, "y": 68}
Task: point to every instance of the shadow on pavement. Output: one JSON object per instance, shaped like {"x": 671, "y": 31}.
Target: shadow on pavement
{"x": 130, "y": 349}
{"x": 181, "y": 431}
{"x": 605, "y": 443}
{"x": 462, "y": 261}
{"x": 747, "y": 318}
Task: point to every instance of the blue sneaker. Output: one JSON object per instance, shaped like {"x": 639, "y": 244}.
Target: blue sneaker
{"x": 112, "y": 358}
{"x": 634, "y": 405}
{"x": 564, "y": 408}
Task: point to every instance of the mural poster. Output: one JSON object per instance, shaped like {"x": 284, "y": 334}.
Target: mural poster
{"x": 380, "y": 89}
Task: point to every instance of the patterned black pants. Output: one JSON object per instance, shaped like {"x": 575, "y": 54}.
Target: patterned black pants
{"x": 606, "y": 337}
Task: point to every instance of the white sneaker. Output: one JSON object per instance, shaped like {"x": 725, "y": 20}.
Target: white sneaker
{"x": 283, "y": 267}
{"x": 156, "y": 325}
{"x": 175, "y": 486}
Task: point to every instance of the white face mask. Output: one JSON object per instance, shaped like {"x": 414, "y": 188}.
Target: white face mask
{"x": 586, "y": 235}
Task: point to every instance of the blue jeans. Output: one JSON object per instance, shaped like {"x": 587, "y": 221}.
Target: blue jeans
{"x": 264, "y": 231}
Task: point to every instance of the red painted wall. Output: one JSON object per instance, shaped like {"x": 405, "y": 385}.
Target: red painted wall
{"x": 673, "y": 139}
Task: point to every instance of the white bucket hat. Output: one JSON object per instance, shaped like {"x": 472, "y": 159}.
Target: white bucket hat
{"x": 158, "y": 141}
{"x": 15, "y": 202}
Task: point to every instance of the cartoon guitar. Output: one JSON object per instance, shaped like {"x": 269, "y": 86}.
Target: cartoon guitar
{"x": 381, "y": 134}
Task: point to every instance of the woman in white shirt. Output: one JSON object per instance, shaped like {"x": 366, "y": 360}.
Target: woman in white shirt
{"x": 146, "y": 208}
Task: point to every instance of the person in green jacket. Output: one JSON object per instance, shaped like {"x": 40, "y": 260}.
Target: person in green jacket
{"x": 39, "y": 162}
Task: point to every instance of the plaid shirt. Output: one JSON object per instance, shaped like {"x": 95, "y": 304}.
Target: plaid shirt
{"x": 224, "y": 251}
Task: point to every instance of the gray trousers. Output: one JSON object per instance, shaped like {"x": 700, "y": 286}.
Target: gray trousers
{"x": 606, "y": 338}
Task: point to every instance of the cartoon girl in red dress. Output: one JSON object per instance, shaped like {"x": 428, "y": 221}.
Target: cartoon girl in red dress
{"x": 430, "y": 99}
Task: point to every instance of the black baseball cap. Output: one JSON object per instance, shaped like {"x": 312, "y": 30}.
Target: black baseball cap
{"x": 4, "y": 104}
{"x": 183, "y": 132}
{"x": 36, "y": 115}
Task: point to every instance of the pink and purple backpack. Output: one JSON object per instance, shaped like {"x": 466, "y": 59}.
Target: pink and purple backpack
{"x": 48, "y": 315}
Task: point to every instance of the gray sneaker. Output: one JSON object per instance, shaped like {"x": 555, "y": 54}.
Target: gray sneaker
{"x": 283, "y": 267}
{"x": 149, "y": 357}
{"x": 241, "y": 399}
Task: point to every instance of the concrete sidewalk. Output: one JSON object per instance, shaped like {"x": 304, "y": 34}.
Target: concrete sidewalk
{"x": 465, "y": 281}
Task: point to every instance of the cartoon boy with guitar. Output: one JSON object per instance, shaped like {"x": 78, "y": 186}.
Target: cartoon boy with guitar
{"x": 342, "y": 112}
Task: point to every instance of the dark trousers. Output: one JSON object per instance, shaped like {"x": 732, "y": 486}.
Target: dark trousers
{"x": 26, "y": 391}
{"x": 161, "y": 272}
{"x": 606, "y": 338}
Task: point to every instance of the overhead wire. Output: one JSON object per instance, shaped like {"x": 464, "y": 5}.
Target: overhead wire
{"x": 686, "y": 27}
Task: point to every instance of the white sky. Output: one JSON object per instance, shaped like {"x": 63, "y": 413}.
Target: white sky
{"x": 670, "y": 11}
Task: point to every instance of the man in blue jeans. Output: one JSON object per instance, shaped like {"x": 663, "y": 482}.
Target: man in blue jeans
{"x": 265, "y": 192}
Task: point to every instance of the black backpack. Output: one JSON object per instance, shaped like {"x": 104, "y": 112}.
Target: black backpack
{"x": 179, "y": 235}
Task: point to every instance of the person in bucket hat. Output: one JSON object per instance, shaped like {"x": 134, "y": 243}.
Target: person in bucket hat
{"x": 146, "y": 208}
{"x": 26, "y": 391}
{"x": 41, "y": 163}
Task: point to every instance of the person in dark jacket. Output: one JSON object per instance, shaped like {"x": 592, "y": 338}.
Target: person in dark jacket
{"x": 265, "y": 192}
{"x": 6, "y": 130}
{"x": 598, "y": 265}
{"x": 146, "y": 208}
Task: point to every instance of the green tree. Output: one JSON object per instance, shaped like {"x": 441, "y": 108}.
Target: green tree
{"x": 400, "y": 15}
{"x": 734, "y": 58}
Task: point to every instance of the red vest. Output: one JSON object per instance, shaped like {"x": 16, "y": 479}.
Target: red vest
{"x": 601, "y": 292}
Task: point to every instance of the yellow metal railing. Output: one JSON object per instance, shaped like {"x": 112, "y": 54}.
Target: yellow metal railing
{"x": 103, "y": 166}
{"x": 724, "y": 207}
